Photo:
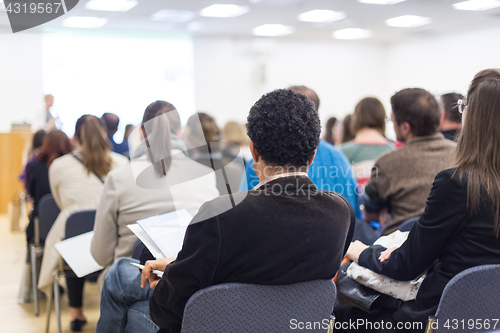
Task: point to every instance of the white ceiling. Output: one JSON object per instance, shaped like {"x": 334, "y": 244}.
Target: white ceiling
{"x": 367, "y": 16}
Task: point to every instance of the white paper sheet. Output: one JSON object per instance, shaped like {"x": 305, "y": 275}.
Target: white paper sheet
{"x": 148, "y": 242}
{"x": 167, "y": 231}
{"x": 76, "y": 252}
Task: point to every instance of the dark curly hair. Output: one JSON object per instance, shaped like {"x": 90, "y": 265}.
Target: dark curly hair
{"x": 285, "y": 128}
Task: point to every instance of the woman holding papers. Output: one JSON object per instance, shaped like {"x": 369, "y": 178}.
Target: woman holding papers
{"x": 461, "y": 224}
{"x": 135, "y": 191}
{"x": 76, "y": 181}
{"x": 284, "y": 231}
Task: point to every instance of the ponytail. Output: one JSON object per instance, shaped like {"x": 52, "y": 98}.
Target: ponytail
{"x": 157, "y": 134}
{"x": 95, "y": 149}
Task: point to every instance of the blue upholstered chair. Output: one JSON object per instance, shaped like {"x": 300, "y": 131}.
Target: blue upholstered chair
{"x": 472, "y": 296}
{"x": 77, "y": 223}
{"x": 237, "y": 307}
{"x": 47, "y": 215}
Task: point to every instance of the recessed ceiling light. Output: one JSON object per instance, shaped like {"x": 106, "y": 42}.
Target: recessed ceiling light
{"x": 320, "y": 15}
{"x": 381, "y": 2}
{"x": 408, "y": 21}
{"x": 352, "y": 33}
{"x": 218, "y": 10}
{"x": 111, "y": 5}
{"x": 171, "y": 15}
{"x": 272, "y": 30}
{"x": 477, "y": 5}
{"x": 84, "y": 22}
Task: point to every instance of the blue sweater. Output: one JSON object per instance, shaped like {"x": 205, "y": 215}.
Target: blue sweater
{"x": 330, "y": 171}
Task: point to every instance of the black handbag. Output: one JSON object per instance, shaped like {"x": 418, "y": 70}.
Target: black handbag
{"x": 357, "y": 295}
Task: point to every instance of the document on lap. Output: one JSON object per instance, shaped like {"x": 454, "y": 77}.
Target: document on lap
{"x": 76, "y": 252}
{"x": 163, "y": 235}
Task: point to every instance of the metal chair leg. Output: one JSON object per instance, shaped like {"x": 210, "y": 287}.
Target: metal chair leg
{"x": 331, "y": 326}
{"x": 34, "y": 281}
{"x": 49, "y": 308}
{"x": 57, "y": 302}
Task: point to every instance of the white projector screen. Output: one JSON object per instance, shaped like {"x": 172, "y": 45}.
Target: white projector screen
{"x": 94, "y": 74}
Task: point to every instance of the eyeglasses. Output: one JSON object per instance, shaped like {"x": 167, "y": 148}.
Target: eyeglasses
{"x": 462, "y": 104}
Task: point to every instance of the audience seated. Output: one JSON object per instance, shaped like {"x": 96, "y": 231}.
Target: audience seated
{"x": 205, "y": 147}
{"x": 369, "y": 141}
{"x": 401, "y": 180}
{"x": 76, "y": 181}
{"x": 460, "y": 226}
{"x": 55, "y": 145}
{"x": 282, "y": 210}
{"x": 329, "y": 135}
{"x": 124, "y": 200}
{"x": 451, "y": 119}
{"x": 111, "y": 122}
{"x": 330, "y": 170}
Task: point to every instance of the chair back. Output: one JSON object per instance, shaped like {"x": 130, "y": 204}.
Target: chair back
{"x": 236, "y": 307}
{"x": 473, "y": 295}
{"x": 47, "y": 215}
{"x": 408, "y": 224}
{"x": 79, "y": 223}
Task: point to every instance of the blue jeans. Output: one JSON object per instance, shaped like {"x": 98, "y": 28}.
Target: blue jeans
{"x": 124, "y": 304}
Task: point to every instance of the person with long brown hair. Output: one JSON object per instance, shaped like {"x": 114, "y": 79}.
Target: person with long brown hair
{"x": 460, "y": 226}
{"x": 369, "y": 143}
{"x": 76, "y": 181}
{"x": 55, "y": 144}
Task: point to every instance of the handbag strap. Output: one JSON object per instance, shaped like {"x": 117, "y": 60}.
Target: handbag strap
{"x": 80, "y": 160}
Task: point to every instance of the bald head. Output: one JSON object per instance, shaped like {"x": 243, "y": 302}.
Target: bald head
{"x": 110, "y": 122}
{"x": 309, "y": 93}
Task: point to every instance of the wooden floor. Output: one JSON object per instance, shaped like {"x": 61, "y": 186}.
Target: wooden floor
{"x": 15, "y": 317}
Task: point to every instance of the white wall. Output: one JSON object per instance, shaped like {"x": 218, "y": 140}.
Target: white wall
{"x": 231, "y": 74}
{"x": 21, "y": 92}
{"x": 445, "y": 63}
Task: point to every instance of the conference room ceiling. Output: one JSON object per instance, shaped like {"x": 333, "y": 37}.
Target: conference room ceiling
{"x": 444, "y": 18}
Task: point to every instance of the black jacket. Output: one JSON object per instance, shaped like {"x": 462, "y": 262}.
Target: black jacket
{"x": 293, "y": 235}
{"x": 38, "y": 186}
{"x": 446, "y": 231}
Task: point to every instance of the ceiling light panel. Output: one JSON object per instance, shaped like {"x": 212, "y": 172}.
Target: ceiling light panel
{"x": 84, "y": 22}
{"x": 352, "y": 33}
{"x": 321, "y": 16}
{"x": 408, "y": 21}
{"x": 111, "y": 5}
{"x": 477, "y": 5}
{"x": 381, "y": 2}
{"x": 273, "y": 30}
{"x": 218, "y": 10}
{"x": 170, "y": 15}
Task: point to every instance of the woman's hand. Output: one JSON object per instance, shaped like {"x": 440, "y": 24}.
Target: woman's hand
{"x": 149, "y": 266}
{"x": 387, "y": 253}
{"x": 355, "y": 250}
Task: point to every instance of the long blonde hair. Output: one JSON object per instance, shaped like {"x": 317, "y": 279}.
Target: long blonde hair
{"x": 478, "y": 151}
{"x": 95, "y": 148}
